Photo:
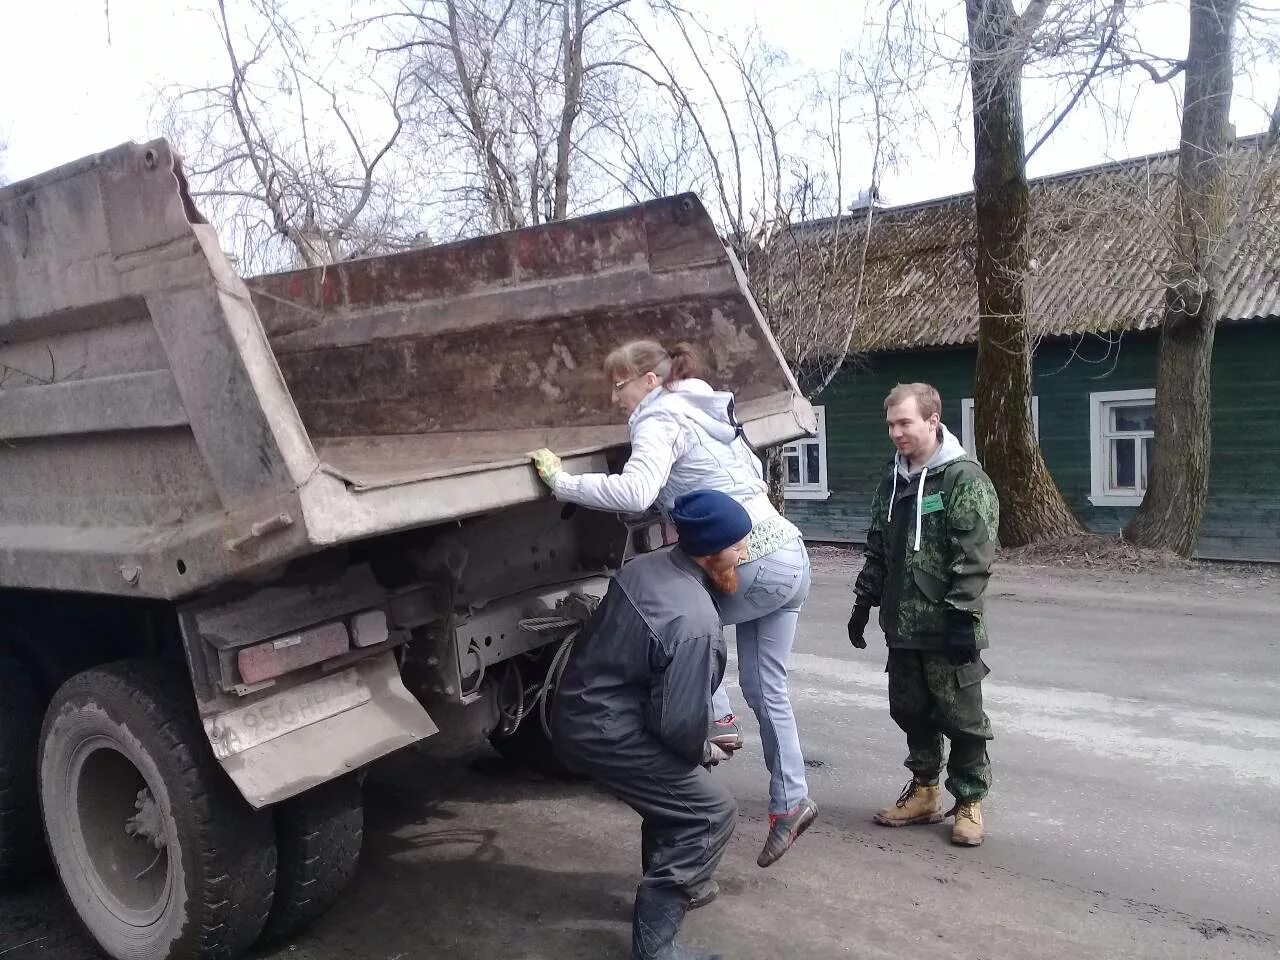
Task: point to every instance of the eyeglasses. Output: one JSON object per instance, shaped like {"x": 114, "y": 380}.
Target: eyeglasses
{"x": 618, "y": 385}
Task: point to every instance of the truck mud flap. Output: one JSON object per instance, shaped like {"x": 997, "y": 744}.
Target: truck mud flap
{"x": 284, "y": 744}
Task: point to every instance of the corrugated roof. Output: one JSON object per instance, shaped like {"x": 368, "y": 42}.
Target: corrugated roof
{"x": 1099, "y": 247}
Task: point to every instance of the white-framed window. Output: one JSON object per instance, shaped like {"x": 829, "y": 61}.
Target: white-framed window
{"x": 967, "y": 435}
{"x": 1122, "y": 441}
{"x": 804, "y": 464}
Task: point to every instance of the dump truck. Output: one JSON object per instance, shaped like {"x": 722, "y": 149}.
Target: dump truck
{"x": 256, "y": 534}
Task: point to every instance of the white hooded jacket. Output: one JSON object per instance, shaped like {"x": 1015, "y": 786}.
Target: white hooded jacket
{"x": 682, "y": 439}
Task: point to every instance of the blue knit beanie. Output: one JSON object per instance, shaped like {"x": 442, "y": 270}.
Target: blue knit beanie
{"x": 709, "y": 521}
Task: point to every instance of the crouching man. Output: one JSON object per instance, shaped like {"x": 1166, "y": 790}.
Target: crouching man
{"x": 631, "y": 712}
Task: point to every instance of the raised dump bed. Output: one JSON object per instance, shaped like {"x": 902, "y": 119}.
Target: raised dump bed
{"x": 166, "y": 426}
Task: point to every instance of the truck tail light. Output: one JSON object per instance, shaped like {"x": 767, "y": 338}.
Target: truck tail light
{"x": 266, "y": 661}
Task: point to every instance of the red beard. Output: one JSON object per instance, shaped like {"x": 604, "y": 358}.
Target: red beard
{"x": 724, "y": 579}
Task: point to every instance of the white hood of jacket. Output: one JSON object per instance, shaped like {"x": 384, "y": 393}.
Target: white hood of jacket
{"x": 949, "y": 450}
{"x": 707, "y": 408}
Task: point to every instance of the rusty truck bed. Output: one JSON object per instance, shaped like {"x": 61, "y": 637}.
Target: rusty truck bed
{"x": 166, "y": 426}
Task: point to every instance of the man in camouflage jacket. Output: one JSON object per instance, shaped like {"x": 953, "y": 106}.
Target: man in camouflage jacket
{"x": 929, "y": 551}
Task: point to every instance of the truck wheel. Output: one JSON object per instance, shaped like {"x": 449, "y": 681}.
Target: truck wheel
{"x": 318, "y": 835}
{"x": 159, "y": 854}
{"x": 20, "y": 846}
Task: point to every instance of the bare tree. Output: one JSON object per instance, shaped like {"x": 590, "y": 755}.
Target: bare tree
{"x": 779, "y": 187}
{"x": 512, "y": 112}
{"x": 726, "y": 98}
{"x": 506, "y": 113}
{"x": 1118, "y": 238}
{"x": 1171, "y": 233}
{"x": 1068, "y": 47}
{"x": 1210, "y": 220}
{"x": 1031, "y": 506}
{"x": 1075, "y": 49}
{"x": 549, "y": 107}
{"x": 810, "y": 275}
{"x": 280, "y": 150}
{"x": 1070, "y": 50}
{"x": 506, "y": 98}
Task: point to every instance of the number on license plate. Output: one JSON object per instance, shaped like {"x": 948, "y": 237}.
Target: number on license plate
{"x": 243, "y": 728}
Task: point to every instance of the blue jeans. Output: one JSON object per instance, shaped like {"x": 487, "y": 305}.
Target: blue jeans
{"x": 765, "y": 609}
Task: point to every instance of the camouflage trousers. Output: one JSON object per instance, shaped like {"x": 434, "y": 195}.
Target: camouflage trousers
{"x": 930, "y": 697}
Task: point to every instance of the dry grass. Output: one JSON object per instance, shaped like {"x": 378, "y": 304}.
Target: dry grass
{"x": 836, "y": 554}
{"x": 1095, "y": 552}
{"x": 1090, "y": 553}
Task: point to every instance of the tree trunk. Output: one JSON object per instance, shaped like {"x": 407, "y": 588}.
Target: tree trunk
{"x": 501, "y": 192}
{"x": 571, "y": 51}
{"x": 1174, "y": 505}
{"x": 1031, "y": 506}
{"x": 776, "y": 478}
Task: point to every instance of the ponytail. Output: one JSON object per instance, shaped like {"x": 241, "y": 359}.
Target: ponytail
{"x": 639, "y": 357}
{"x": 686, "y": 364}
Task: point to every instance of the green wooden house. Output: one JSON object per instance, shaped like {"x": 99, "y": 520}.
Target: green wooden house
{"x": 1099, "y": 244}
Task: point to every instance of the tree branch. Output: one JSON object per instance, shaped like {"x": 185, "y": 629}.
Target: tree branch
{"x": 1113, "y": 27}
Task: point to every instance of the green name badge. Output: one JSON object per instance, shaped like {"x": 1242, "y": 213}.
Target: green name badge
{"x": 931, "y": 503}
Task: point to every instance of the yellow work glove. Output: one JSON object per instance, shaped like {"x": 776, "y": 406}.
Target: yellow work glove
{"x": 547, "y": 464}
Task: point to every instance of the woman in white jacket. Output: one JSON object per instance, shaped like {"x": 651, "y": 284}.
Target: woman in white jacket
{"x": 684, "y": 437}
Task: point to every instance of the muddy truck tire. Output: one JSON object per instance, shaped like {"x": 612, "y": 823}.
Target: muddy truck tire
{"x": 159, "y": 854}
{"x": 21, "y": 849}
{"x": 318, "y": 838}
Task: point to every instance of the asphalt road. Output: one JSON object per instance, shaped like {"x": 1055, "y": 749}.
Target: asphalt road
{"x": 1135, "y": 811}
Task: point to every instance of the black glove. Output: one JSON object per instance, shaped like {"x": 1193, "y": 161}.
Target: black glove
{"x": 961, "y": 644}
{"x": 858, "y": 623}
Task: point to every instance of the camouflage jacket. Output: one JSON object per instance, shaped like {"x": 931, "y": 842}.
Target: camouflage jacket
{"x": 959, "y": 517}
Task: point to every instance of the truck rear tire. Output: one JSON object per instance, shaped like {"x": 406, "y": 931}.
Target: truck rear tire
{"x": 318, "y": 836}
{"x": 159, "y": 854}
{"x": 20, "y": 711}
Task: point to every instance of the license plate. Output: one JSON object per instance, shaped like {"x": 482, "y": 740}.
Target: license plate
{"x": 246, "y": 727}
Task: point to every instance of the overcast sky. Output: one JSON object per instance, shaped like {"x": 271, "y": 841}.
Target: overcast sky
{"x": 71, "y": 89}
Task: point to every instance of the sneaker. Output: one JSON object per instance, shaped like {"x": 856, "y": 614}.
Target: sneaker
{"x": 784, "y": 830}
{"x": 724, "y": 733}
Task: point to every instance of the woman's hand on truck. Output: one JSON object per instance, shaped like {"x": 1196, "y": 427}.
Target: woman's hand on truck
{"x": 547, "y": 464}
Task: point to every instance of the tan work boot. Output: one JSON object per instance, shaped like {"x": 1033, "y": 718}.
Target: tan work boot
{"x": 919, "y": 803}
{"x": 967, "y": 831}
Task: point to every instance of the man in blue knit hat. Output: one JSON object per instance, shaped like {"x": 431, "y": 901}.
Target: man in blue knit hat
{"x": 631, "y": 712}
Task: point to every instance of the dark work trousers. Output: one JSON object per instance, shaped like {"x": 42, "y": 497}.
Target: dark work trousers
{"x": 930, "y": 697}
{"x": 687, "y": 818}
